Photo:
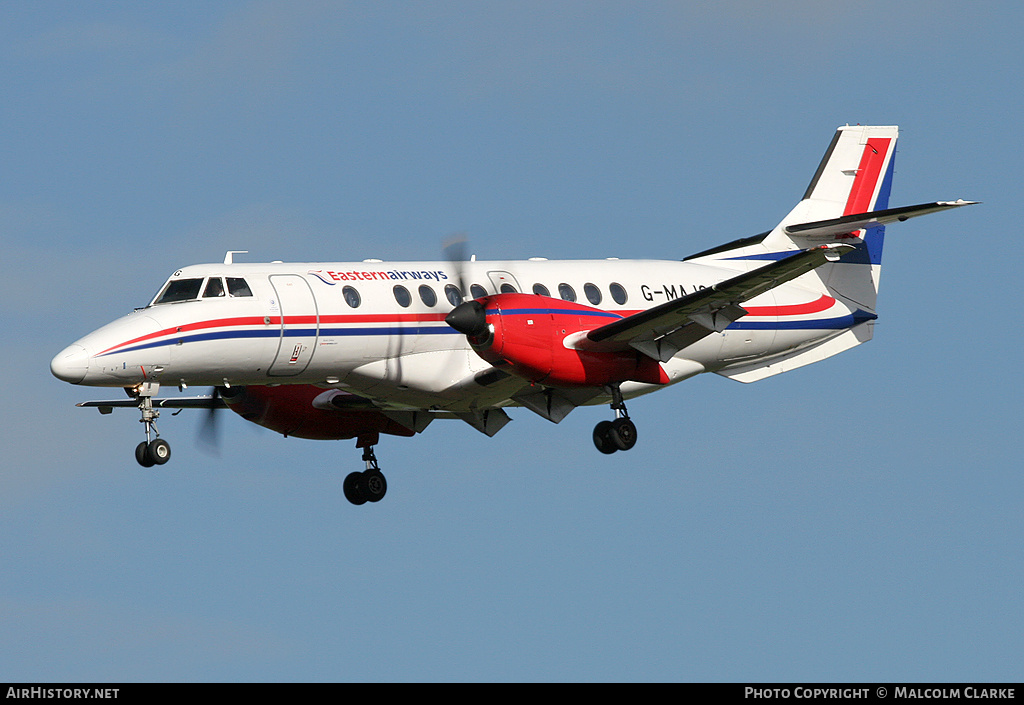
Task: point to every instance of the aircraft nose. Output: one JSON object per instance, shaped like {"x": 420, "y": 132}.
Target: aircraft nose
{"x": 70, "y": 364}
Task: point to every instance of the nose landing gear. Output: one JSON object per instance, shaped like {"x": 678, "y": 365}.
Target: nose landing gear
{"x": 620, "y": 434}
{"x": 154, "y": 450}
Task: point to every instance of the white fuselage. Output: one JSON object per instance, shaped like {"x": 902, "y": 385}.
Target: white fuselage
{"x": 347, "y": 325}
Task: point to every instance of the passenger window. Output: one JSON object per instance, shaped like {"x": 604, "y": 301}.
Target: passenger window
{"x": 477, "y": 291}
{"x": 618, "y": 293}
{"x": 453, "y": 294}
{"x": 541, "y": 290}
{"x": 238, "y": 287}
{"x": 180, "y": 290}
{"x": 427, "y": 295}
{"x": 508, "y": 289}
{"x": 566, "y": 292}
{"x": 214, "y": 288}
{"x": 351, "y": 296}
{"x": 593, "y": 293}
{"x": 402, "y": 296}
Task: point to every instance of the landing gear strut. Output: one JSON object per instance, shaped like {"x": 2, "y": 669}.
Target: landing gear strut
{"x": 620, "y": 434}
{"x": 369, "y": 485}
{"x": 154, "y": 450}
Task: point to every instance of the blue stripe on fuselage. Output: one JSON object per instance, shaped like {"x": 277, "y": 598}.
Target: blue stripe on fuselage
{"x": 553, "y": 311}
{"x": 837, "y": 323}
{"x": 288, "y": 333}
{"x": 813, "y": 324}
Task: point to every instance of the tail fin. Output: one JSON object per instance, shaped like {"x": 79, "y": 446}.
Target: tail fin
{"x": 854, "y": 178}
{"x": 846, "y": 202}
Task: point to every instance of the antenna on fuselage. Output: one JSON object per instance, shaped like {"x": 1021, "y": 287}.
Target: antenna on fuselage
{"x": 229, "y": 257}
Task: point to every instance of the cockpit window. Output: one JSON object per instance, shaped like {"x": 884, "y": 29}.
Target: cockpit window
{"x": 179, "y": 290}
{"x": 214, "y": 288}
{"x": 238, "y": 287}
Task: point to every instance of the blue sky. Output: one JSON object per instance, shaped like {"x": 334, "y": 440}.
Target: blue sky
{"x": 855, "y": 520}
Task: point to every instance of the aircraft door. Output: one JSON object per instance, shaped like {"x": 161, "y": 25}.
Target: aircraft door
{"x": 503, "y": 279}
{"x": 300, "y": 325}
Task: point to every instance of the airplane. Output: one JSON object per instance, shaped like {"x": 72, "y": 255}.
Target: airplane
{"x": 353, "y": 350}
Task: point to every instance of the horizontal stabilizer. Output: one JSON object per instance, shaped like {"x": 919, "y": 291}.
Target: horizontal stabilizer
{"x": 862, "y": 221}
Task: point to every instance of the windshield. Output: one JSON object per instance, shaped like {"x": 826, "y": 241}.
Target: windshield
{"x": 179, "y": 290}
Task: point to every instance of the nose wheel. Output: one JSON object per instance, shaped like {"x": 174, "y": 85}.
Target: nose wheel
{"x": 368, "y": 485}
{"x": 620, "y": 434}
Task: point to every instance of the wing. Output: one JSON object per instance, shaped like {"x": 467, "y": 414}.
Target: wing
{"x": 201, "y": 402}
{"x": 488, "y": 421}
{"x": 660, "y": 332}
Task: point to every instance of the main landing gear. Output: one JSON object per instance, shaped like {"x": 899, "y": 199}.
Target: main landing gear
{"x": 620, "y": 434}
{"x": 369, "y": 485}
{"x": 154, "y": 450}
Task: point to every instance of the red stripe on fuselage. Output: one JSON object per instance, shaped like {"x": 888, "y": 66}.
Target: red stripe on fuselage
{"x": 816, "y": 306}
{"x": 219, "y": 323}
{"x": 822, "y": 304}
{"x": 276, "y": 321}
{"x": 376, "y": 318}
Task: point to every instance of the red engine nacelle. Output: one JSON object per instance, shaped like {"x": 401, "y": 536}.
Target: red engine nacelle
{"x": 528, "y": 332}
{"x": 289, "y": 409}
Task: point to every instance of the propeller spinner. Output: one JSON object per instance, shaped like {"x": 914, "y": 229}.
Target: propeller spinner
{"x": 469, "y": 318}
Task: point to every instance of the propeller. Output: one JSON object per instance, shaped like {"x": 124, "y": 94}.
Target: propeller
{"x": 209, "y": 435}
{"x": 469, "y": 316}
{"x": 455, "y": 248}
